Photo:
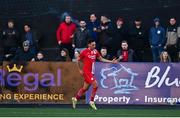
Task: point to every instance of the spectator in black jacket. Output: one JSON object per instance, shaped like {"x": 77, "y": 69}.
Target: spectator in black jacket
{"x": 24, "y": 54}
{"x": 32, "y": 36}
{"x": 11, "y": 40}
{"x": 104, "y": 54}
{"x": 106, "y": 34}
{"x": 121, "y": 34}
{"x": 64, "y": 56}
{"x": 39, "y": 57}
{"x": 125, "y": 54}
{"x": 138, "y": 38}
{"x": 81, "y": 37}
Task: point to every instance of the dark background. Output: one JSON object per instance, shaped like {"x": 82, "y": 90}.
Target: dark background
{"x": 44, "y": 15}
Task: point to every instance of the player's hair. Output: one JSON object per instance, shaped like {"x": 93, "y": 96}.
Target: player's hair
{"x": 27, "y": 24}
{"x": 11, "y": 21}
{"x": 90, "y": 40}
{"x": 173, "y": 18}
{"x": 104, "y": 48}
{"x": 124, "y": 41}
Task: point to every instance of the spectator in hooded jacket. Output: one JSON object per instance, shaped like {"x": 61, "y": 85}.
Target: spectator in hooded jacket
{"x": 81, "y": 37}
{"x": 11, "y": 40}
{"x": 65, "y": 35}
{"x": 173, "y": 35}
{"x": 157, "y": 38}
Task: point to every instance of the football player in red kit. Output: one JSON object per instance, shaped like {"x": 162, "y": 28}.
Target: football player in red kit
{"x": 88, "y": 58}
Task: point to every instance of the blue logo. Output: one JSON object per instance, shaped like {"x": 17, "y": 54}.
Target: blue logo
{"x": 120, "y": 80}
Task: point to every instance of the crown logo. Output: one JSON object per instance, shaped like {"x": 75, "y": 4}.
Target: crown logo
{"x": 14, "y": 69}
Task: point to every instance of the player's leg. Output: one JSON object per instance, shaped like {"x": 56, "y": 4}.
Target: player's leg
{"x": 80, "y": 93}
{"x": 93, "y": 93}
{"x": 82, "y": 90}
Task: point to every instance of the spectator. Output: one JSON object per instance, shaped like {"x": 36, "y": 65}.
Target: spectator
{"x": 64, "y": 56}
{"x": 137, "y": 39}
{"x": 10, "y": 40}
{"x": 93, "y": 27}
{"x": 65, "y": 34}
{"x": 33, "y": 37}
{"x": 173, "y": 34}
{"x": 120, "y": 34}
{"x": 104, "y": 54}
{"x": 39, "y": 57}
{"x": 125, "y": 54}
{"x": 76, "y": 55}
{"x": 81, "y": 37}
{"x": 157, "y": 39}
{"x": 164, "y": 57}
{"x": 106, "y": 34}
{"x": 24, "y": 54}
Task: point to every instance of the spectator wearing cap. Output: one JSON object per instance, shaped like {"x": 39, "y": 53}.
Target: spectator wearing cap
{"x": 65, "y": 35}
{"x": 173, "y": 35}
{"x": 137, "y": 39}
{"x": 157, "y": 39}
{"x": 106, "y": 34}
{"x": 93, "y": 27}
{"x": 11, "y": 40}
{"x": 24, "y": 54}
{"x": 33, "y": 37}
{"x": 121, "y": 33}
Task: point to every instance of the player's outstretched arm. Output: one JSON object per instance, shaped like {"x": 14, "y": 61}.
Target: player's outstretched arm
{"x": 108, "y": 61}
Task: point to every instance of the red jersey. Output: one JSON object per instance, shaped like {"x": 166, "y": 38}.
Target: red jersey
{"x": 89, "y": 57}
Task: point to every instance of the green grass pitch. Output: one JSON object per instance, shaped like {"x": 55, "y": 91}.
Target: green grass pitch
{"x": 87, "y": 112}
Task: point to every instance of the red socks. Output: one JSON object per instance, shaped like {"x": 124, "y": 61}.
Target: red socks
{"x": 93, "y": 93}
{"x": 80, "y": 93}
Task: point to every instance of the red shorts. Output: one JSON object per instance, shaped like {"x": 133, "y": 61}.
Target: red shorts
{"x": 89, "y": 77}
